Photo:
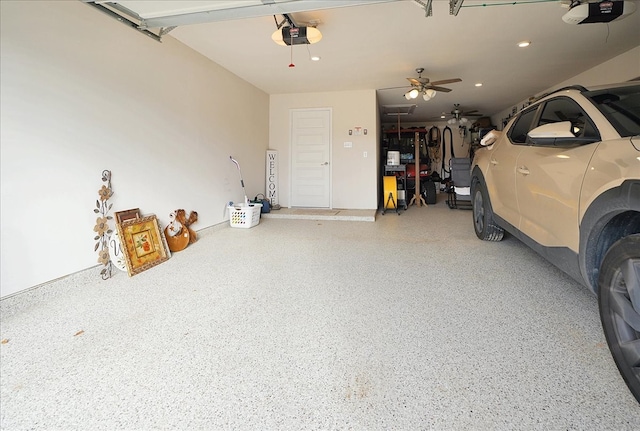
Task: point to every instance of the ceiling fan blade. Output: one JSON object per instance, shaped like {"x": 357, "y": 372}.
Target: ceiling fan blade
{"x": 418, "y": 82}
{"x": 441, "y": 89}
{"x": 471, "y": 115}
{"x": 393, "y": 88}
{"x": 473, "y": 111}
{"x": 446, "y": 81}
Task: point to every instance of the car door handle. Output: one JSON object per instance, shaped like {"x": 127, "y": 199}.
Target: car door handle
{"x": 523, "y": 170}
{"x": 493, "y": 161}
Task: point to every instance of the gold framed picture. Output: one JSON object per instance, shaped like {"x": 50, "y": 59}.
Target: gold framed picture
{"x": 121, "y": 216}
{"x": 143, "y": 243}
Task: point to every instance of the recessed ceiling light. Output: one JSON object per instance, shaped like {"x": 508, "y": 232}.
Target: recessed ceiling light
{"x": 524, "y": 44}
{"x": 315, "y": 58}
{"x": 478, "y": 84}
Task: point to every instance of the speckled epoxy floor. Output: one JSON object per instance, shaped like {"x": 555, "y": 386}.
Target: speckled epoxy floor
{"x": 406, "y": 323}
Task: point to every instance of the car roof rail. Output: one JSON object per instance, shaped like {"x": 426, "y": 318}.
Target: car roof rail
{"x": 580, "y": 88}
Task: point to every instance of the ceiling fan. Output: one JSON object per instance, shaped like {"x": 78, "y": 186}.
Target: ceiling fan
{"x": 421, "y": 85}
{"x": 457, "y": 115}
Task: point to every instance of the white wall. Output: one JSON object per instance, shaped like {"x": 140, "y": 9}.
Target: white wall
{"x": 82, "y": 93}
{"x": 624, "y": 67}
{"x": 354, "y": 177}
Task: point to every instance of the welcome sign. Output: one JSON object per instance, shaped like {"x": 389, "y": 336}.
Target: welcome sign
{"x": 272, "y": 177}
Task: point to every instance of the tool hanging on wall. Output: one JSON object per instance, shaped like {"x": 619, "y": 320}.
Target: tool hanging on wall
{"x": 434, "y": 138}
{"x": 446, "y": 130}
{"x": 434, "y": 146}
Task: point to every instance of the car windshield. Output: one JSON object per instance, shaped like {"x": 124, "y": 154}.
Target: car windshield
{"x": 621, "y": 106}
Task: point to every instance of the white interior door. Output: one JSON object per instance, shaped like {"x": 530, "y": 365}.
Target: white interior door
{"x": 310, "y": 158}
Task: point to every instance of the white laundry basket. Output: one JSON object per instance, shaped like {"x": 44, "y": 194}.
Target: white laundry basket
{"x": 244, "y": 216}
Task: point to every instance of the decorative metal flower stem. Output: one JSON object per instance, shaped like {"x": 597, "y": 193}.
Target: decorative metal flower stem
{"x": 102, "y": 229}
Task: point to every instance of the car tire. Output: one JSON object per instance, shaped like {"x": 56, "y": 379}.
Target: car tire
{"x": 483, "y": 222}
{"x": 619, "y": 301}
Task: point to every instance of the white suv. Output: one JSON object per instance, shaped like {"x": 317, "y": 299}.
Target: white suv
{"x": 564, "y": 178}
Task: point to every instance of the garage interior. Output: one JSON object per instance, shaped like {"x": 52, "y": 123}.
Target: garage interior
{"x": 403, "y": 322}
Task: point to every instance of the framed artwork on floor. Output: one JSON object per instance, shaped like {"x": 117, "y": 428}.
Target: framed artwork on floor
{"x": 143, "y": 243}
{"x": 127, "y": 215}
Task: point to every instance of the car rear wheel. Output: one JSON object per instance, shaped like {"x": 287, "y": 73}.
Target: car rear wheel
{"x": 619, "y": 298}
{"x": 483, "y": 222}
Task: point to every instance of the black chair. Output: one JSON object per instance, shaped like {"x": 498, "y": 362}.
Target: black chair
{"x": 459, "y": 185}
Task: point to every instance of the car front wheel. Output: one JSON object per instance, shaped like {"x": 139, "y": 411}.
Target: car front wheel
{"x": 483, "y": 222}
{"x": 619, "y": 298}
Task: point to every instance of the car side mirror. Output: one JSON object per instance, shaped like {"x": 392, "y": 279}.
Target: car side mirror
{"x": 490, "y": 138}
{"x": 557, "y": 135}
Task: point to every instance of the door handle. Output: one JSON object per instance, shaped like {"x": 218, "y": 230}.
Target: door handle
{"x": 324, "y": 164}
{"x": 523, "y": 170}
{"x": 493, "y": 161}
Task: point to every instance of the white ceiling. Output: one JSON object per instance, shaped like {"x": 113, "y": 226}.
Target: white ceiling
{"x": 379, "y": 45}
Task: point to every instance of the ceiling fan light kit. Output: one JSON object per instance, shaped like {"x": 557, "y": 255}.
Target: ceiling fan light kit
{"x": 462, "y": 121}
{"x": 412, "y": 94}
{"x": 429, "y": 94}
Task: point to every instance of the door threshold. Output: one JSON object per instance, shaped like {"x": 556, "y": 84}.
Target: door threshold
{"x": 322, "y": 214}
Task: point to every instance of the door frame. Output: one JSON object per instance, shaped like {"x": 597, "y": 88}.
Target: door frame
{"x": 291, "y": 112}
